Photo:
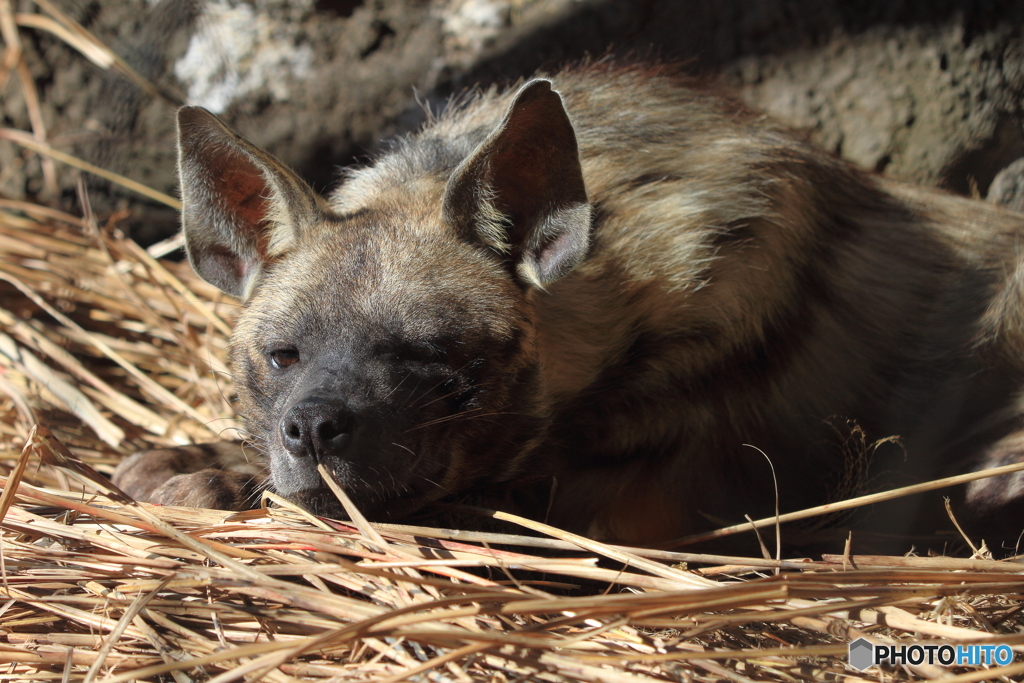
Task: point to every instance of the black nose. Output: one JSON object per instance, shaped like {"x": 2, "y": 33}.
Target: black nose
{"x": 316, "y": 427}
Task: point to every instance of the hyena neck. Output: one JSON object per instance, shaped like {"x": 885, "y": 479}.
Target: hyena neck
{"x": 830, "y": 317}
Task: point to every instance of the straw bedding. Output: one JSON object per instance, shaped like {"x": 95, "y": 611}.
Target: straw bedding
{"x": 105, "y": 350}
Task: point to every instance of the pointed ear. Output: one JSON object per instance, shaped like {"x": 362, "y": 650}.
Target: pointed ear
{"x": 521, "y": 191}
{"x": 242, "y": 208}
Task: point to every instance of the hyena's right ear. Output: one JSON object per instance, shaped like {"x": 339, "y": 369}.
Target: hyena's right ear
{"x": 242, "y": 208}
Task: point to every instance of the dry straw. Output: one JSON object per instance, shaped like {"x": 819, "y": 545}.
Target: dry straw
{"x": 104, "y": 350}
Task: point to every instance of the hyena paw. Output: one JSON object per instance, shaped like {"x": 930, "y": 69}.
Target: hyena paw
{"x": 215, "y": 475}
{"x": 209, "y": 488}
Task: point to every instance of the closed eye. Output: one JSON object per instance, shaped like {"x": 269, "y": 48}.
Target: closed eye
{"x": 424, "y": 353}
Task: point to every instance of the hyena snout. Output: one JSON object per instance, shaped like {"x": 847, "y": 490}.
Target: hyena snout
{"x": 359, "y": 447}
{"x": 318, "y": 428}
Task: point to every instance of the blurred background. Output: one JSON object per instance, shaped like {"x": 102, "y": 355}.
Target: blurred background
{"x": 925, "y": 91}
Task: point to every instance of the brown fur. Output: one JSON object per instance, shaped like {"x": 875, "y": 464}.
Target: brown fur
{"x": 615, "y": 286}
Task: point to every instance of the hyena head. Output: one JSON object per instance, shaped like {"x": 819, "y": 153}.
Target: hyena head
{"x": 390, "y": 337}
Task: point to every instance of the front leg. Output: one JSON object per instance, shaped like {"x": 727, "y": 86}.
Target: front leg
{"x": 221, "y": 476}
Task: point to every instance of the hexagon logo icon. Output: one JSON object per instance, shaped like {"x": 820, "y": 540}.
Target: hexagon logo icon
{"x": 861, "y": 654}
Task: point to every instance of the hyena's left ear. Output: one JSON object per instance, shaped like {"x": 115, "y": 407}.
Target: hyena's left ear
{"x": 241, "y": 207}
{"x": 521, "y": 191}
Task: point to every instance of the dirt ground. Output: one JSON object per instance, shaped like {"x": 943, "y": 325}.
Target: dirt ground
{"x": 926, "y": 91}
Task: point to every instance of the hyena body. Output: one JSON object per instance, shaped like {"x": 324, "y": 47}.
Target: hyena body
{"x": 598, "y": 299}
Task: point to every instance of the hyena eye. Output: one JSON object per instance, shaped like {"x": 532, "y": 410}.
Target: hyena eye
{"x": 282, "y": 358}
{"x": 432, "y": 353}
{"x": 420, "y": 353}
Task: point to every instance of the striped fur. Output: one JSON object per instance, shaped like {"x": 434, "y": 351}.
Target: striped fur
{"x": 595, "y": 315}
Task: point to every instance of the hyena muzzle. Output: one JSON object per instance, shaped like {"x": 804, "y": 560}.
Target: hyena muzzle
{"x": 589, "y": 298}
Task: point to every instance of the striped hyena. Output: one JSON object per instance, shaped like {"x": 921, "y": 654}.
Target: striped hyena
{"x": 586, "y": 297}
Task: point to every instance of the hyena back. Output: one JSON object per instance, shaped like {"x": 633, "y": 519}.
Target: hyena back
{"x": 603, "y": 287}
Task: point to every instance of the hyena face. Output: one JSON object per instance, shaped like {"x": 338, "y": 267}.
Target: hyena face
{"x": 389, "y": 339}
{"x": 395, "y": 368}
